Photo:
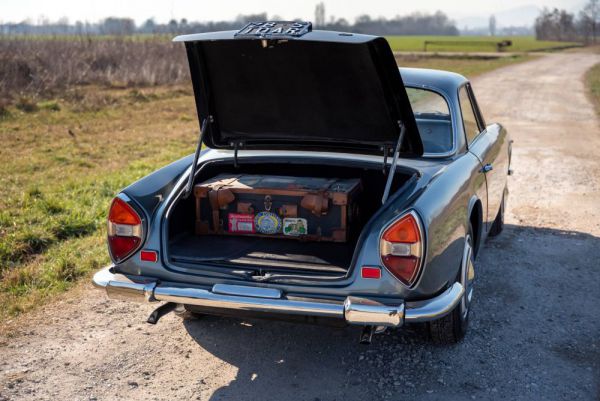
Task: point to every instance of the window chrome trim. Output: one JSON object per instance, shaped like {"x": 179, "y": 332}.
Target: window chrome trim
{"x": 483, "y": 129}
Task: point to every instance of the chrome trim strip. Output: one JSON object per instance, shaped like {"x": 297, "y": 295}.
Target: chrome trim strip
{"x": 246, "y": 291}
{"x": 434, "y": 308}
{"x": 355, "y": 310}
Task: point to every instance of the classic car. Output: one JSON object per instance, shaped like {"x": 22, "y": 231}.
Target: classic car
{"x": 280, "y": 99}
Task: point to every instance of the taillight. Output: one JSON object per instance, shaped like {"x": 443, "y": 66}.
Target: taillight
{"x": 401, "y": 248}
{"x": 124, "y": 230}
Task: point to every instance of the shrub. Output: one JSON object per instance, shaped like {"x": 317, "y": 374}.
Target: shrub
{"x": 27, "y": 105}
{"x": 43, "y": 67}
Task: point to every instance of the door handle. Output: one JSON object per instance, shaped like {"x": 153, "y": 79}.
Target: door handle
{"x": 487, "y": 168}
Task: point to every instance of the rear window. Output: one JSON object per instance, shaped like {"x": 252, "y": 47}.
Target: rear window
{"x": 433, "y": 119}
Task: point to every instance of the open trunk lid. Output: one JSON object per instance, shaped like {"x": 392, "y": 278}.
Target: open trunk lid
{"x": 320, "y": 90}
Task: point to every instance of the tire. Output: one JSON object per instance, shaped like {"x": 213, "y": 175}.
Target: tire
{"x": 452, "y": 328}
{"x": 498, "y": 224}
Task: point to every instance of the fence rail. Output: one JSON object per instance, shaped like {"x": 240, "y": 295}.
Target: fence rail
{"x": 499, "y": 45}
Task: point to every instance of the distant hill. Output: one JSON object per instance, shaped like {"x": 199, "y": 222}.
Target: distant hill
{"x": 518, "y": 16}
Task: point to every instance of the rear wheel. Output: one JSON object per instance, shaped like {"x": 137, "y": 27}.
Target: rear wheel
{"x": 452, "y": 328}
{"x": 498, "y": 224}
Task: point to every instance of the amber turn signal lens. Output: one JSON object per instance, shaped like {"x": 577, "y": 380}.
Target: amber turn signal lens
{"x": 122, "y": 213}
{"x": 404, "y": 231}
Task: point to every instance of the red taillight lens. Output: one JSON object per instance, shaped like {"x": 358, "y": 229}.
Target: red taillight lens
{"x": 124, "y": 230}
{"x": 401, "y": 248}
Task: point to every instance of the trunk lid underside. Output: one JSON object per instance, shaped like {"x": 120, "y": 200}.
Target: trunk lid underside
{"x": 324, "y": 91}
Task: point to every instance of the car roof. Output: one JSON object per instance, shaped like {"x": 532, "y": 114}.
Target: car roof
{"x": 443, "y": 80}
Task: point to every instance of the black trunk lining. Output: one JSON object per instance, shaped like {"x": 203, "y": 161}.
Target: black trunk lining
{"x": 263, "y": 252}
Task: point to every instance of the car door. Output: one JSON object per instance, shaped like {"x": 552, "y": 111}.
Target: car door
{"x": 488, "y": 144}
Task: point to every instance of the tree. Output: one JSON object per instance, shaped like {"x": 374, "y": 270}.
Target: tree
{"x": 149, "y": 26}
{"x": 117, "y": 26}
{"x": 173, "y": 26}
{"x": 589, "y": 20}
{"x": 555, "y": 25}
{"x": 320, "y": 15}
{"x": 492, "y": 25}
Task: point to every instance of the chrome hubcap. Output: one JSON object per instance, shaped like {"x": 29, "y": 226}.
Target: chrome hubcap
{"x": 467, "y": 277}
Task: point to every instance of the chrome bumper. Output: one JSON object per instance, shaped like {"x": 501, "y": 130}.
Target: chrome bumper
{"x": 355, "y": 310}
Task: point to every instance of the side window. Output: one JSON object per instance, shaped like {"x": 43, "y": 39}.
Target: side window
{"x": 468, "y": 115}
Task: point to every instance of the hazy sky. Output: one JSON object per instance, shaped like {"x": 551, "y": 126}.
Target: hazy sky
{"x": 203, "y": 10}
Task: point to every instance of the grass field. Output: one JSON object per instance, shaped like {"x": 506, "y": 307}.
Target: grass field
{"x": 592, "y": 80}
{"x": 64, "y": 158}
{"x": 62, "y": 167}
{"x": 33, "y": 69}
{"x": 468, "y": 67}
{"x": 519, "y": 43}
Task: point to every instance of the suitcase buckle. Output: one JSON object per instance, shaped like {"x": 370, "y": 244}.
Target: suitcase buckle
{"x": 268, "y": 203}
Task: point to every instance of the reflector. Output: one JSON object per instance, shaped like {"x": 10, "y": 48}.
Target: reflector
{"x": 149, "y": 256}
{"x": 370, "y": 272}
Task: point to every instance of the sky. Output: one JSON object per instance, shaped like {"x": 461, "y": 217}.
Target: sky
{"x": 205, "y": 10}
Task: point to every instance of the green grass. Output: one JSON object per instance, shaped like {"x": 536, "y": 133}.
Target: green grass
{"x": 63, "y": 159}
{"x": 62, "y": 164}
{"x": 592, "y": 81}
{"x": 520, "y": 43}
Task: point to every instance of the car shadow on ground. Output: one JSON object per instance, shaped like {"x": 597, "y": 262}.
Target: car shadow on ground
{"x": 515, "y": 348}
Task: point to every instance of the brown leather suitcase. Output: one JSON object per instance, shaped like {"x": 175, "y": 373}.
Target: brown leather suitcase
{"x": 307, "y": 208}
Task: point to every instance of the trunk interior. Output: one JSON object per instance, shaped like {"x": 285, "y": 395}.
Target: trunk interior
{"x": 273, "y": 255}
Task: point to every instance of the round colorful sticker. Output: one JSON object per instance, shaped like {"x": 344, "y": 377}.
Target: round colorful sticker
{"x": 267, "y": 223}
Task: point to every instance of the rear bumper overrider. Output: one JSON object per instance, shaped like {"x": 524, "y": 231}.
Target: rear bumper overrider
{"x": 354, "y": 310}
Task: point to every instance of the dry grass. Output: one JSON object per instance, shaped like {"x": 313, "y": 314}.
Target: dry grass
{"x": 467, "y": 66}
{"x": 43, "y": 68}
{"x": 592, "y": 80}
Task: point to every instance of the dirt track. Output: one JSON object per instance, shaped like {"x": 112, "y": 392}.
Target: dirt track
{"x": 535, "y": 329}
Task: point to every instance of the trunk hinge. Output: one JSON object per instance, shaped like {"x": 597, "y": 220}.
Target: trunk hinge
{"x": 390, "y": 178}
{"x": 203, "y": 128}
{"x": 236, "y": 144}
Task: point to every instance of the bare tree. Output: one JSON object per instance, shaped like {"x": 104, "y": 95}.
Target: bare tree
{"x": 117, "y": 26}
{"x": 555, "y": 25}
{"x": 320, "y": 15}
{"x": 589, "y": 20}
{"x": 492, "y": 25}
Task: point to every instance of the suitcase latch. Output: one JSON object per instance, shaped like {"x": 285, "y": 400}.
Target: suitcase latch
{"x": 268, "y": 203}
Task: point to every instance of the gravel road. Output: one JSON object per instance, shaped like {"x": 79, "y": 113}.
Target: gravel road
{"x": 535, "y": 329}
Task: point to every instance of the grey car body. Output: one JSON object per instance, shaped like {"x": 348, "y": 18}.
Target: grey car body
{"x": 460, "y": 191}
